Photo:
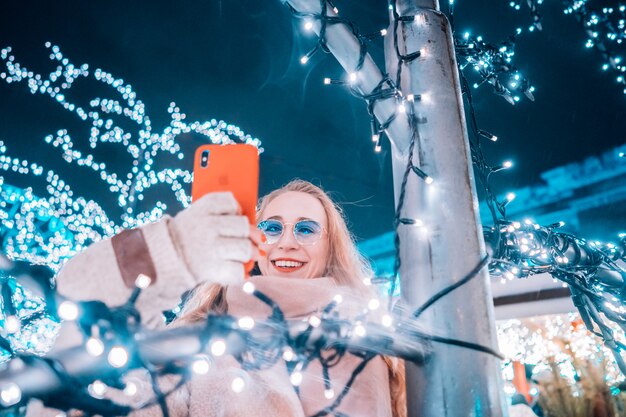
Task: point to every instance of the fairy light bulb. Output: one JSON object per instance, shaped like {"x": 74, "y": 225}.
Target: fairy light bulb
{"x": 12, "y": 324}
{"x": 373, "y": 304}
{"x": 238, "y": 384}
{"x": 143, "y": 281}
{"x": 308, "y": 25}
{"x": 338, "y": 298}
{"x": 94, "y": 346}
{"x": 10, "y": 394}
{"x": 383, "y": 32}
{"x": 200, "y": 366}
{"x": 246, "y": 323}
{"x": 419, "y": 19}
{"x": 401, "y": 108}
{"x": 97, "y": 388}
{"x": 248, "y": 287}
{"x": 218, "y": 347}
{"x": 387, "y": 320}
{"x": 304, "y": 59}
{"x": 117, "y": 357}
{"x": 507, "y": 164}
{"x": 329, "y": 393}
{"x": 288, "y": 354}
{"x": 359, "y": 330}
{"x": 352, "y": 77}
{"x": 510, "y": 197}
{"x": 327, "y": 81}
{"x": 68, "y": 310}
{"x": 130, "y": 389}
{"x": 315, "y": 321}
{"x": 296, "y": 378}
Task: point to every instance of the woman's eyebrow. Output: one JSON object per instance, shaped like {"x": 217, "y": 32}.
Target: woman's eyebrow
{"x": 275, "y": 218}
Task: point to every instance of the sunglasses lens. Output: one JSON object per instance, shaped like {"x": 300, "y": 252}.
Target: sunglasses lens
{"x": 272, "y": 229}
{"x": 307, "y": 232}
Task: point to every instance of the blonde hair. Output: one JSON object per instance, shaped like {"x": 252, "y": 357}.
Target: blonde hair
{"x": 345, "y": 265}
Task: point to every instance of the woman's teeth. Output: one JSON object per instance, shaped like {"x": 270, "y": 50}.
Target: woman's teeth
{"x": 288, "y": 264}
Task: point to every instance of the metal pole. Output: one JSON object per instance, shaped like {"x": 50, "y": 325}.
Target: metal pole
{"x": 454, "y": 381}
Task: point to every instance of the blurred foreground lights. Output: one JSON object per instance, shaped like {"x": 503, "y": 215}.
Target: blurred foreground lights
{"x": 296, "y": 378}
{"x": 97, "y": 389}
{"x": 359, "y": 330}
{"x": 94, "y": 346}
{"x": 12, "y": 324}
{"x": 246, "y": 323}
{"x": 329, "y": 394}
{"x": 68, "y": 310}
{"x": 130, "y": 389}
{"x": 10, "y": 394}
{"x": 218, "y": 347}
{"x": 373, "y": 304}
{"x": 143, "y": 281}
{"x": 314, "y": 321}
{"x": 238, "y": 384}
{"x": 117, "y": 357}
{"x": 288, "y": 354}
{"x": 201, "y": 366}
{"x": 248, "y": 287}
{"x": 387, "y": 320}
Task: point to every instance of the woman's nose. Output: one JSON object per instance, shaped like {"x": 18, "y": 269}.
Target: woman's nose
{"x": 287, "y": 239}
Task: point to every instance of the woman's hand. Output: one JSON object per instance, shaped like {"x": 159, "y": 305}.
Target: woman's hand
{"x": 215, "y": 240}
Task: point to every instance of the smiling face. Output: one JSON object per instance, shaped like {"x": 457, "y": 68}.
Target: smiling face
{"x": 287, "y": 257}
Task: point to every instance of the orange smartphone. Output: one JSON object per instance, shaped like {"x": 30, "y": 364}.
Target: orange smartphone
{"x": 233, "y": 168}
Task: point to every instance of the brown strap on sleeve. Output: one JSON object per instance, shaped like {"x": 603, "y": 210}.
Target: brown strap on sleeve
{"x": 133, "y": 257}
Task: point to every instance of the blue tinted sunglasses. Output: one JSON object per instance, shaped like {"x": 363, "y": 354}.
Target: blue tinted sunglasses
{"x": 306, "y": 232}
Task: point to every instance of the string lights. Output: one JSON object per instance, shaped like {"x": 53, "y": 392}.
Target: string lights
{"x": 520, "y": 249}
{"x": 605, "y": 27}
{"x": 74, "y": 221}
{"x": 590, "y": 270}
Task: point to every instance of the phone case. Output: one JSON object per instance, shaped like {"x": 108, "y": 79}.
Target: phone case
{"x": 233, "y": 168}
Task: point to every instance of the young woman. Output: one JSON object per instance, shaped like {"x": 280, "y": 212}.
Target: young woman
{"x": 305, "y": 254}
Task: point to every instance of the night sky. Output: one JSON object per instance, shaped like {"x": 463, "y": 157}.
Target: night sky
{"x": 239, "y": 61}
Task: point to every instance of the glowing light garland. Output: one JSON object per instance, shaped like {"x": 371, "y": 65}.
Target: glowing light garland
{"x": 110, "y": 339}
{"x": 590, "y": 270}
{"x": 605, "y": 28}
{"x": 81, "y": 218}
{"x": 563, "y": 338}
{"x": 493, "y": 63}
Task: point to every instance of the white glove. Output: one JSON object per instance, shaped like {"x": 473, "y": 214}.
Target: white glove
{"x": 213, "y": 239}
